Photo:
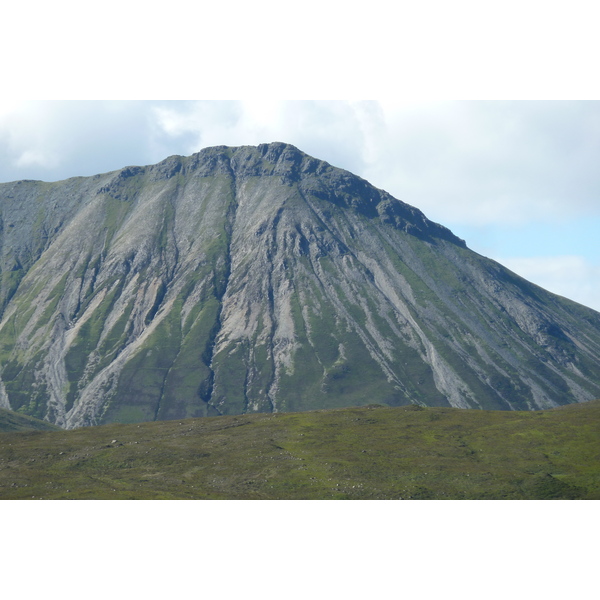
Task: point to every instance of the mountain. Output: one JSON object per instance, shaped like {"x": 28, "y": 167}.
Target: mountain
{"x": 259, "y": 279}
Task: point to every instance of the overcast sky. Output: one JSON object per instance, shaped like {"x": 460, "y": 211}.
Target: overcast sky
{"x": 518, "y": 180}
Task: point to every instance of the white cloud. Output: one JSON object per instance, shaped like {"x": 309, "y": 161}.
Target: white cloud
{"x": 199, "y": 121}
{"x": 573, "y": 277}
{"x": 492, "y": 162}
{"x": 34, "y": 158}
{"x": 56, "y": 140}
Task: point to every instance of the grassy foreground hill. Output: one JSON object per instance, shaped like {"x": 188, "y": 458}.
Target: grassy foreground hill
{"x": 356, "y": 453}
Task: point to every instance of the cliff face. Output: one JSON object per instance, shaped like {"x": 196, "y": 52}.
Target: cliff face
{"x": 261, "y": 279}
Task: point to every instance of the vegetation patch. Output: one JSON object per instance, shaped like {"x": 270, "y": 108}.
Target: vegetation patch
{"x": 370, "y": 452}
{"x": 13, "y": 421}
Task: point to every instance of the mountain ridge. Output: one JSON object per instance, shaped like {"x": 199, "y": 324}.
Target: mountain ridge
{"x": 262, "y": 279}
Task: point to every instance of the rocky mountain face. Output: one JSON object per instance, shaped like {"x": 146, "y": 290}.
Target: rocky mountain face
{"x": 261, "y": 279}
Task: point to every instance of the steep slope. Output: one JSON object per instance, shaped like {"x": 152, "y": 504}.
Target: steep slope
{"x": 11, "y": 421}
{"x": 261, "y": 279}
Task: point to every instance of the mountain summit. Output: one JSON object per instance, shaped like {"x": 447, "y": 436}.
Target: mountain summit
{"x": 262, "y": 279}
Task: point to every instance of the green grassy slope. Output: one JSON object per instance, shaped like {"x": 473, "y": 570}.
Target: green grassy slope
{"x": 357, "y": 453}
{"x": 12, "y": 421}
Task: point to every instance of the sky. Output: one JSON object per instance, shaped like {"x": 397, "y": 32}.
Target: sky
{"x": 518, "y": 180}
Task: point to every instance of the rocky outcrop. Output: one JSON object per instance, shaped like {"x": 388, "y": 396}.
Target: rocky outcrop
{"x": 262, "y": 279}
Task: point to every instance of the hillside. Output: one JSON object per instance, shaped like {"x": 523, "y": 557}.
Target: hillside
{"x": 12, "y": 421}
{"x": 355, "y": 453}
{"x": 262, "y": 280}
